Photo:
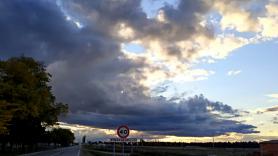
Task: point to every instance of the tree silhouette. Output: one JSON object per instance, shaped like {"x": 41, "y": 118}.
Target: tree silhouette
{"x": 61, "y": 136}
{"x": 26, "y": 101}
{"x": 6, "y": 113}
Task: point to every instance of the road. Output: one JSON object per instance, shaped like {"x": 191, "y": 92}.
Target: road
{"x": 68, "y": 151}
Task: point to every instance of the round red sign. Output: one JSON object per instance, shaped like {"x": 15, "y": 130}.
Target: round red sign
{"x": 123, "y": 131}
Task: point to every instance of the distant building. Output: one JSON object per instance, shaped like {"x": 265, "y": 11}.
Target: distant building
{"x": 269, "y": 148}
{"x": 84, "y": 139}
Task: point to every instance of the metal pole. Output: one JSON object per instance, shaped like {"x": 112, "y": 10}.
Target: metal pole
{"x": 213, "y": 142}
{"x": 123, "y": 148}
{"x": 131, "y": 147}
{"x": 114, "y": 149}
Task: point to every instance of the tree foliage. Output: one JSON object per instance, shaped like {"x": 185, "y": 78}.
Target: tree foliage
{"x": 27, "y": 104}
{"x": 61, "y": 136}
{"x": 6, "y": 113}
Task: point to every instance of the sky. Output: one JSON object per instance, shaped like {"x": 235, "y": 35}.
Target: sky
{"x": 171, "y": 70}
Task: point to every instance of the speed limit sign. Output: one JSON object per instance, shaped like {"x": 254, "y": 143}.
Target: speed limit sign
{"x": 123, "y": 131}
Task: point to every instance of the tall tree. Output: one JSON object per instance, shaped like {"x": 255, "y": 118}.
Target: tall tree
{"x": 27, "y": 101}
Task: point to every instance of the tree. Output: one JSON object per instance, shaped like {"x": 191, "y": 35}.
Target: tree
{"x": 6, "y": 109}
{"x": 5, "y": 116}
{"x": 61, "y": 136}
{"x": 26, "y": 101}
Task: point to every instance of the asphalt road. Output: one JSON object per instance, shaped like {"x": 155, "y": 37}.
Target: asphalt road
{"x": 69, "y": 151}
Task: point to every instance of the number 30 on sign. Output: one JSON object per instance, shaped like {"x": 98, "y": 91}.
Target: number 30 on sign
{"x": 123, "y": 131}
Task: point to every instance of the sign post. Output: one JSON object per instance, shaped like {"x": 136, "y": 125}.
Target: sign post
{"x": 123, "y": 148}
{"x": 123, "y": 132}
{"x": 114, "y": 149}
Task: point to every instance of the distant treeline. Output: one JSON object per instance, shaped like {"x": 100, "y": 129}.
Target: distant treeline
{"x": 196, "y": 144}
{"x": 207, "y": 144}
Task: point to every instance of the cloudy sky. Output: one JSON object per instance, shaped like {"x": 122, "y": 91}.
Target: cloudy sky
{"x": 169, "y": 69}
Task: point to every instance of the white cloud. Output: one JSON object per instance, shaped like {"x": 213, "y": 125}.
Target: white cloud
{"x": 233, "y": 72}
{"x": 171, "y": 54}
{"x": 125, "y": 31}
{"x": 269, "y": 23}
{"x": 221, "y": 46}
{"x": 194, "y": 75}
{"x": 235, "y": 16}
{"x": 274, "y": 96}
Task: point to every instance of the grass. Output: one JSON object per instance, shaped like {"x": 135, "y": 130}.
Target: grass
{"x": 106, "y": 150}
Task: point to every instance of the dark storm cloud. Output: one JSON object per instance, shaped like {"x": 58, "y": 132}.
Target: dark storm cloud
{"x": 183, "y": 23}
{"x": 41, "y": 29}
{"x": 275, "y": 119}
{"x": 187, "y": 118}
{"x": 31, "y": 27}
{"x": 90, "y": 73}
{"x": 186, "y": 19}
{"x": 270, "y": 109}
